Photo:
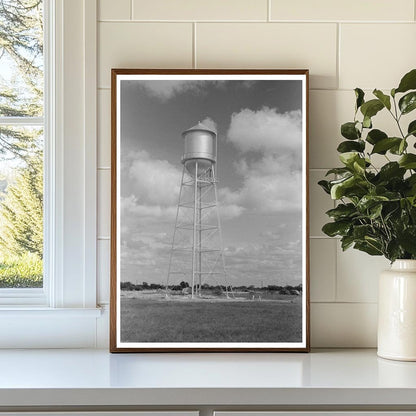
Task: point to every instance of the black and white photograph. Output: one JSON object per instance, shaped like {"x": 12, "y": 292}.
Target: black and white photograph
{"x": 209, "y": 210}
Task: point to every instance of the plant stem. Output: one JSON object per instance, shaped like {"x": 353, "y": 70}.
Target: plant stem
{"x": 397, "y": 118}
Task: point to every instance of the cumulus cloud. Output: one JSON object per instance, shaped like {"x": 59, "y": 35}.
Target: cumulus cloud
{"x": 270, "y": 185}
{"x": 157, "y": 182}
{"x": 266, "y": 130}
{"x": 144, "y": 256}
{"x": 270, "y": 164}
{"x": 229, "y": 211}
{"x": 166, "y": 89}
{"x": 142, "y": 212}
{"x": 154, "y": 196}
{"x": 210, "y": 123}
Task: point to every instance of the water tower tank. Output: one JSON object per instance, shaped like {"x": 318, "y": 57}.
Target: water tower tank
{"x": 200, "y": 148}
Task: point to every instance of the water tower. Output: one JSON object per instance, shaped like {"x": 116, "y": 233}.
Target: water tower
{"x": 197, "y": 255}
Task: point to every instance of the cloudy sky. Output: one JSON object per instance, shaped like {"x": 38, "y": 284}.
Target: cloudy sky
{"x": 259, "y": 125}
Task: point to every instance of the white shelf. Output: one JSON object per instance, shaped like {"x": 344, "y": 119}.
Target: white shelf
{"x": 56, "y": 378}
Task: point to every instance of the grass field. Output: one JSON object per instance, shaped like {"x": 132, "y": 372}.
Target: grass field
{"x": 158, "y": 320}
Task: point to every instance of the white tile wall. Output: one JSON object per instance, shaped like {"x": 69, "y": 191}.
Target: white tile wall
{"x": 328, "y": 110}
{"x": 104, "y": 128}
{"x": 376, "y": 55}
{"x": 357, "y": 275}
{"x": 114, "y": 10}
{"x": 341, "y": 10}
{"x": 145, "y": 45}
{"x": 200, "y": 10}
{"x": 345, "y": 44}
{"x": 323, "y": 269}
{"x": 103, "y": 271}
{"x": 270, "y": 45}
{"x": 104, "y": 202}
{"x": 338, "y": 325}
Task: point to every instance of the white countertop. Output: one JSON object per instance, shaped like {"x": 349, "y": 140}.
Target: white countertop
{"x": 92, "y": 377}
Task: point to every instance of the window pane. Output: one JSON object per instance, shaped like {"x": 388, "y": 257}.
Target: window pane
{"x": 21, "y": 207}
{"x": 21, "y": 58}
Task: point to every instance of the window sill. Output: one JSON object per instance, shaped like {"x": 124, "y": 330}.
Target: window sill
{"x": 22, "y": 298}
{"x": 330, "y": 379}
{"x": 40, "y": 327}
{"x": 36, "y": 312}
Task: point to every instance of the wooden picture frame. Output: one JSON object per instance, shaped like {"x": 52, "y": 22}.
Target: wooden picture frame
{"x": 206, "y": 259}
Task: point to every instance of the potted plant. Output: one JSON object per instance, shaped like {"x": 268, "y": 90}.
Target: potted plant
{"x": 376, "y": 207}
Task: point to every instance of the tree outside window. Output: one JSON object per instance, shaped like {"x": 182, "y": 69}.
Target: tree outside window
{"x": 21, "y": 143}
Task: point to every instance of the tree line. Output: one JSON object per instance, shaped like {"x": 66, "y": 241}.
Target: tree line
{"x": 283, "y": 290}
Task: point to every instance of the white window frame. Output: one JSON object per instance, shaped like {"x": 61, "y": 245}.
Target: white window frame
{"x": 69, "y": 292}
{"x": 35, "y": 296}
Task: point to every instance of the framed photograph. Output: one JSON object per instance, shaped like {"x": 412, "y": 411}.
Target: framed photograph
{"x": 209, "y": 210}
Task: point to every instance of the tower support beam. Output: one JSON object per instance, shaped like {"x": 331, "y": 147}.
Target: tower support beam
{"x": 195, "y": 230}
{"x": 197, "y": 248}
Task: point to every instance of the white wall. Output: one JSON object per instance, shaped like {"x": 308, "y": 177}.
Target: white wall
{"x": 344, "y": 43}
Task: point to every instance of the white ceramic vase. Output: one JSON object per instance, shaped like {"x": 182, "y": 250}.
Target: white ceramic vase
{"x": 397, "y": 312}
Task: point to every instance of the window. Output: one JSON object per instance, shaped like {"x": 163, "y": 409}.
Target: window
{"x": 22, "y": 132}
{"x": 63, "y": 313}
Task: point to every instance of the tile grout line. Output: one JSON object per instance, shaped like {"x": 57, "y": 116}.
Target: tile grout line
{"x": 308, "y": 22}
{"x": 131, "y": 9}
{"x": 322, "y": 237}
{"x": 336, "y": 271}
{"x": 338, "y": 63}
{"x": 269, "y": 10}
{"x": 323, "y": 302}
{"x": 194, "y": 63}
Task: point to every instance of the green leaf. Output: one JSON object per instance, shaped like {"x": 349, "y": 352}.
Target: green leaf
{"x": 360, "y": 231}
{"x": 338, "y": 171}
{"x": 349, "y": 146}
{"x": 407, "y": 239}
{"x": 367, "y": 122}
{"x": 338, "y": 189}
{"x": 408, "y": 161}
{"x": 411, "y": 130}
{"x": 346, "y": 242}
{"x": 411, "y": 185}
{"x": 342, "y": 211}
{"x": 371, "y": 108}
{"x": 336, "y": 228}
{"x": 398, "y": 149}
{"x": 408, "y": 82}
{"x": 368, "y": 248}
{"x": 359, "y": 165}
{"x": 385, "y": 99}
{"x": 393, "y": 92}
{"x": 391, "y": 170}
{"x": 375, "y": 136}
{"x": 393, "y": 250}
{"x": 359, "y": 95}
{"x": 374, "y": 242}
{"x": 383, "y": 145}
{"x": 408, "y": 102}
{"x": 325, "y": 186}
{"x": 368, "y": 201}
{"x": 375, "y": 211}
{"x": 349, "y": 131}
{"x": 402, "y": 147}
{"x": 349, "y": 158}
